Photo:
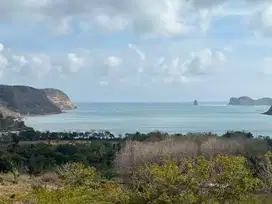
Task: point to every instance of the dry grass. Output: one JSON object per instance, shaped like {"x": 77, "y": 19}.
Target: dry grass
{"x": 50, "y": 178}
{"x": 7, "y": 187}
{"x": 25, "y": 184}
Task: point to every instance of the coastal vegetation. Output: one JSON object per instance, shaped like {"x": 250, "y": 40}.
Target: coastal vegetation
{"x": 156, "y": 167}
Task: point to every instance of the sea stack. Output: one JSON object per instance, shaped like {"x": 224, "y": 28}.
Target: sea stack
{"x": 269, "y": 112}
{"x": 195, "y": 103}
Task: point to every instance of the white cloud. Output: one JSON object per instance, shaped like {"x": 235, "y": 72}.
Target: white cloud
{"x": 153, "y": 17}
{"x": 141, "y": 55}
{"x": 104, "y": 83}
{"x": 221, "y": 56}
{"x": 228, "y": 49}
{"x": 3, "y": 62}
{"x": 75, "y": 62}
{"x": 138, "y": 51}
{"x": 103, "y": 66}
{"x": 21, "y": 60}
{"x": 185, "y": 70}
{"x": 110, "y": 23}
{"x": 159, "y": 17}
{"x": 267, "y": 68}
{"x": 1, "y": 47}
{"x": 62, "y": 26}
{"x": 201, "y": 63}
{"x": 113, "y": 61}
{"x": 261, "y": 19}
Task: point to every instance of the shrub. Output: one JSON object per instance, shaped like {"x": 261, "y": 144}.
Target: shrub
{"x": 215, "y": 145}
{"x": 223, "y": 179}
{"x": 263, "y": 169}
{"x": 49, "y": 177}
{"x": 107, "y": 193}
{"x": 136, "y": 154}
{"x": 81, "y": 187}
{"x": 76, "y": 173}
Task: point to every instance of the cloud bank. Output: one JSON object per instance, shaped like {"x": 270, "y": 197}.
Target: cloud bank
{"x": 154, "y": 17}
{"x": 106, "y": 68}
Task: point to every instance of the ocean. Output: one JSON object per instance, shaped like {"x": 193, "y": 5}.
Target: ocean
{"x": 121, "y": 118}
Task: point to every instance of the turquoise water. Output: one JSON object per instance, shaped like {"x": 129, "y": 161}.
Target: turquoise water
{"x": 168, "y": 117}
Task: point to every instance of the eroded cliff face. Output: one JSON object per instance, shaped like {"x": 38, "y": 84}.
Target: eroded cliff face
{"x": 59, "y": 98}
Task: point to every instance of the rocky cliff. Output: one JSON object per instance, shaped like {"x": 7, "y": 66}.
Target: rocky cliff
{"x": 60, "y": 99}
{"x": 26, "y": 100}
{"x": 247, "y": 101}
{"x": 269, "y": 112}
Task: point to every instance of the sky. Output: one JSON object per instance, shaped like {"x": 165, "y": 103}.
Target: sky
{"x": 139, "y": 50}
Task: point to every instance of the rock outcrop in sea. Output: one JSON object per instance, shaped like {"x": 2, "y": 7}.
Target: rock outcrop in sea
{"x": 247, "y": 101}
{"x": 269, "y": 112}
{"x": 195, "y": 103}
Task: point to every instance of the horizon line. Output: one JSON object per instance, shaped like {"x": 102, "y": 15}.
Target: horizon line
{"x": 187, "y": 101}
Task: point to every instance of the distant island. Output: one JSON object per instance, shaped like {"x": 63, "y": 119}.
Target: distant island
{"x": 17, "y": 101}
{"x": 247, "y": 101}
{"x": 195, "y": 103}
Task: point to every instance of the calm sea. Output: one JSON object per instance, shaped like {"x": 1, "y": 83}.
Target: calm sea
{"x": 168, "y": 117}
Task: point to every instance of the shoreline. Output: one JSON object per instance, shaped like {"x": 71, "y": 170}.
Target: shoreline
{"x": 106, "y": 133}
{"x": 49, "y": 114}
{"x": 36, "y": 115}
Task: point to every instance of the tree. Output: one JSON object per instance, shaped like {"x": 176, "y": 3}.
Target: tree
{"x": 14, "y": 144}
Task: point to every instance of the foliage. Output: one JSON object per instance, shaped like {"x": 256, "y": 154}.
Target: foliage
{"x": 19, "y": 198}
{"x": 198, "y": 169}
{"x": 38, "y": 158}
{"x": 223, "y": 179}
{"x": 76, "y": 174}
{"x": 81, "y": 186}
{"x": 219, "y": 180}
{"x": 108, "y": 193}
{"x": 238, "y": 134}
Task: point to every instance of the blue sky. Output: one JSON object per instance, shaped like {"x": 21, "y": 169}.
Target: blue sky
{"x": 137, "y": 50}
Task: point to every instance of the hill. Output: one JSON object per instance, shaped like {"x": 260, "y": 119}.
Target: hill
{"x": 247, "y": 101}
{"x": 26, "y": 100}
